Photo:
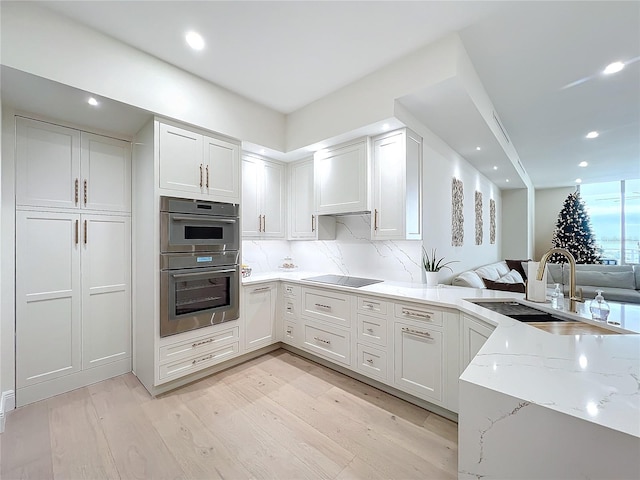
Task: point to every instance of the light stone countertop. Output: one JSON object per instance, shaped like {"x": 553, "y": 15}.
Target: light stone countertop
{"x": 592, "y": 377}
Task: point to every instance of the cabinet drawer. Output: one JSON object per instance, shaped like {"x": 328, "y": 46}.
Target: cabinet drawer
{"x": 328, "y": 306}
{"x": 291, "y": 308}
{"x": 290, "y": 333}
{"x": 419, "y": 312}
{"x": 372, "y": 329}
{"x": 189, "y": 365}
{"x": 372, "y": 362}
{"x": 370, "y": 305}
{"x": 291, "y": 290}
{"x": 197, "y": 346}
{"x": 331, "y": 343}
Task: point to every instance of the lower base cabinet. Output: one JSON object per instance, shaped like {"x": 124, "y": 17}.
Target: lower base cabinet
{"x": 372, "y": 362}
{"x": 474, "y": 334}
{"x": 418, "y": 360}
{"x": 259, "y": 315}
{"x": 327, "y": 341}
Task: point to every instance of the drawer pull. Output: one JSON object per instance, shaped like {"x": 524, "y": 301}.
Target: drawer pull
{"x": 289, "y": 290}
{"x": 410, "y": 313}
{"x": 261, "y": 289}
{"x": 319, "y": 305}
{"x": 416, "y": 332}
{"x": 370, "y": 330}
{"x": 289, "y": 308}
{"x": 368, "y": 306}
{"x": 318, "y": 339}
{"x": 203, "y": 359}
{"x": 370, "y": 361}
{"x": 204, "y": 342}
{"x": 289, "y": 332}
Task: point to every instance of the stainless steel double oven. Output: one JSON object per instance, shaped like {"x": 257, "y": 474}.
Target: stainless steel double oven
{"x": 199, "y": 270}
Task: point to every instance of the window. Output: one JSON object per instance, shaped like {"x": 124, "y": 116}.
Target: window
{"x": 614, "y": 209}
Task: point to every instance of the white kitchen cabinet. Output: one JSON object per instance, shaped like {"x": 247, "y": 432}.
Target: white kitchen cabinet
{"x": 474, "y": 335}
{"x": 62, "y": 167}
{"x": 263, "y": 198}
{"x": 193, "y": 162}
{"x": 73, "y": 316}
{"x": 396, "y": 192}
{"x": 418, "y": 359}
{"x": 302, "y": 215}
{"x": 106, "y": 289}
{"x": 327, "y": 341}
{"x": 259, "y": 315}
{"x": 341, "y": 177}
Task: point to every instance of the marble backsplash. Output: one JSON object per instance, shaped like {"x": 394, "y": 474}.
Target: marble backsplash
{"x": 351, "y": 253}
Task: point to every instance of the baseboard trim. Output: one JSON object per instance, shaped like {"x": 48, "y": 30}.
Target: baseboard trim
{"x": 7, "y": 403}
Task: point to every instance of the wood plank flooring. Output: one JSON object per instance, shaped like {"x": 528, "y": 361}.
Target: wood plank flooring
{"x": 279, "y": 416}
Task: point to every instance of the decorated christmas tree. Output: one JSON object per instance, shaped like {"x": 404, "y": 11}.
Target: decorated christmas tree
{"x": 573, "y": 232}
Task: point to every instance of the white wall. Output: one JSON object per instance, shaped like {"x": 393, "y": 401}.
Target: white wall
{"x": 42, "y": 43}
{"x": 515, "y": 224}
{"x": 549, "y": 202}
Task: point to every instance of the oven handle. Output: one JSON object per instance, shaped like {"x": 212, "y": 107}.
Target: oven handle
{"x": 207, "y": 219}
{"x": 202, "y": 274}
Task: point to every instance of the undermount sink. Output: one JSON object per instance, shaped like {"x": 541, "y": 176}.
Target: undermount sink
{"x": 520, "y": 312}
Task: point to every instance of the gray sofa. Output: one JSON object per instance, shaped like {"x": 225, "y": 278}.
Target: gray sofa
{"x": 619, "y": 283}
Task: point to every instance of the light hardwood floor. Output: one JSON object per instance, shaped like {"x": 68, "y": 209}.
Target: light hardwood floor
{"x": 279, "y": 416}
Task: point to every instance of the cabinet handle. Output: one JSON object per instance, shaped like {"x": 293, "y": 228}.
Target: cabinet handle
{"x": 85, "y": 232}
{"x": 370, "y": 330}
{"x": 318, "y": 339}
{"x": 264, "y": 223}
{"x": 207, "y": 168}
{"x": 204, "y": 342}
{"x": 77, "y": 233}
{"x": 375, "y": 220}
{"x": 319, "y": 305}
{"x": 313, "y": 223}
{"x": 85, "y": 191}
{"x": 368, "y": 306}
{"x": 289, "y": 332}
{"x": 370, "y": 361}
{"x": 208, "y": 357}
{"x": 200, "y": 175}
{"x": 76, "y": 192}
{"x": 261, "y": 289}
{"x": 416, "y": 332}
{"x": 409, "y": 313}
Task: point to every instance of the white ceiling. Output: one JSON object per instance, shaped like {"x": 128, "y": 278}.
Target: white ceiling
{"x": 288, "y": 54}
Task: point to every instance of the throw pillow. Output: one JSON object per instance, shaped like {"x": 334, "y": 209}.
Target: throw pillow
{"x": 511, "y": 277}
{"x": 518, "y": 267}
{"x": 505, "y": 287}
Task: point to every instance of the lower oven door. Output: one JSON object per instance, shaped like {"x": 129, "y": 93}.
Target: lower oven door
{"x": 198, "y": 297}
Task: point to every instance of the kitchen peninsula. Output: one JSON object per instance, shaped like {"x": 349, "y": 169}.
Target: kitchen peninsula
{"x": 528, "y": 394}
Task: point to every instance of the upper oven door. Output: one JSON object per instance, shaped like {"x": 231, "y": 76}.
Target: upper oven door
{"x": 183, "y": 232}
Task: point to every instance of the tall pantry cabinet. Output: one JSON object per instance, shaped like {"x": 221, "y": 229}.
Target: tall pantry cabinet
{"x": 73, "y": 259}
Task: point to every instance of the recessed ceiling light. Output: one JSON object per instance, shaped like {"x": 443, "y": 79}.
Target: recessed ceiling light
{"x": 495, "y": 167}
{"x": 614, "y": 67}
{"x": 578, "y": 180}
{"x": 507, "y": 180}
{"x": 478, "y": 148}
{"x": 593, "y": 134}
{"x": 93, "y": 102}
{"x": 195, "y": 40}
{"x": 583, "y": 164}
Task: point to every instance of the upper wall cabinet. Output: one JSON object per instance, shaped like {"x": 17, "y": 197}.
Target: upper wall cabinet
{"x": 263, "y": 198}
{"x": 342, "y": 178}
{"x": 396, "y": 192}
{"x": 62, "y": 167}
{"x": 195, "y": 163}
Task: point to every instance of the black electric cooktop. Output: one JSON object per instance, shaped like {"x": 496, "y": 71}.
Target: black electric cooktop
{"x": 355, "y": 282}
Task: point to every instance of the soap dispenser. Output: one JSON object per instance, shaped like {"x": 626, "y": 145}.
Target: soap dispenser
{"x": 599, "y": 308}
{"x": 557, "y": 298}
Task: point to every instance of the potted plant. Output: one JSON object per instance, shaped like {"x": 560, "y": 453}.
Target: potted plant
{"x": 433, "y": 265}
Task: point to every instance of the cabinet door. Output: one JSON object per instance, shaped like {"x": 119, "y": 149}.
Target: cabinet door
{"x": 474, "y": 335}
{"x": 302, "y": 220}
{"x": 273, "y": 200}
{"x": 341, "y": 178}
{"x": 181, "y": 159}
{"x": 106, "y": 289}
{"x": 388, "y": 189}
{"x": 222, "y": 170}
{"x": 418, "y": 366}
{"x": 47, "y": 164}
{"x": 259, "y": 315}
{"x": 251, "y": 184}
{"x": 106, "y": 173}
{"x": 47, "y": 296}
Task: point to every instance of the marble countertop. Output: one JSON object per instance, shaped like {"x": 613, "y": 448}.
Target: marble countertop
{"x": 592, "y": 377}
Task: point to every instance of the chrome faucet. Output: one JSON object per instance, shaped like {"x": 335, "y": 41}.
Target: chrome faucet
{"x": 572, "y": 275}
